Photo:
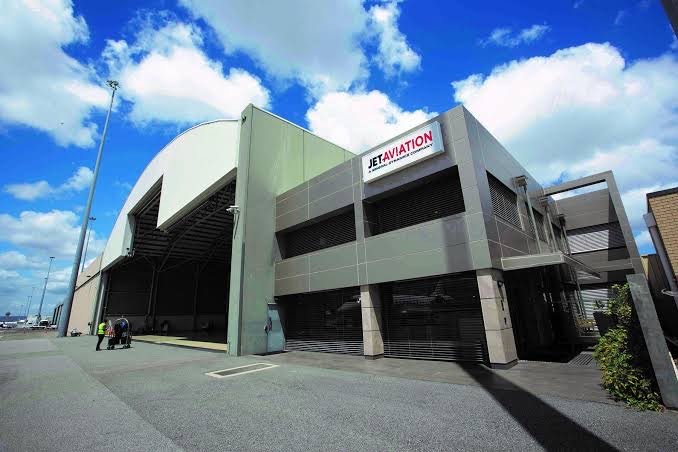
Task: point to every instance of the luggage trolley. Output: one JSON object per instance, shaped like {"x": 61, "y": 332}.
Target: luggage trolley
{"x": 120, "y": 334}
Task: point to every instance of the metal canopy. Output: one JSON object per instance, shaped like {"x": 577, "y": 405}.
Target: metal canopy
{"x": 544, "y": 260}
{"x": 204, "y": 235}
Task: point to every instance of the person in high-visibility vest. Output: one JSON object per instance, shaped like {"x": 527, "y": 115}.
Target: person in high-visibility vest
{"x": 101, "y": 332}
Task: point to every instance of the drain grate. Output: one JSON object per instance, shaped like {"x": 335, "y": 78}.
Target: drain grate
{"x": 241, "y": 370}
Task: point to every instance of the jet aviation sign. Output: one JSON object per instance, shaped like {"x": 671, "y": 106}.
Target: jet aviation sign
{"x": 403, "y": 152}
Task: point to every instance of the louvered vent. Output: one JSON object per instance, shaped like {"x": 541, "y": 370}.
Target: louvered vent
{"x": 434, "y": 318}
{"x": 438, "y": 196}
{"x": 595, "y": 238}
{"x": 504, "y": 201}
{"x": 332, "y": 231}
{"x": 329, "y": 322}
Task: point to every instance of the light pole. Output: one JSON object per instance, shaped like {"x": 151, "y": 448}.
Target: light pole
{"x": 68, "y": 301}
{"x": 89, "y": 234}
{"x": 30, "y": 298}
{"x": 44, "y": 288}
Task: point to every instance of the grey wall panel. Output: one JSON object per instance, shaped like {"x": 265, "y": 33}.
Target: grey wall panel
{"x": 512, "y": 237}
{"x": 292, "y": 267}
{"x": 295, "y": 284}
{"x": 330, "y": 185}
{"x": 593, "y": 238}
{"x": 345, "y": 166}
{"x": 291, "y": 218}
{"x": 330, "y": 203}
{"x": 414, "y": 239}
{"x": 335, "y": 257}
{"x": 602, "y": 256}
{"x": 334, "y": 279}
{"x": 439, "y": 261}
{"x": 292, "y": 202}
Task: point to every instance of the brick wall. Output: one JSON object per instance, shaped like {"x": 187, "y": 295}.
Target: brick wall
{"x": 665, "y": 210}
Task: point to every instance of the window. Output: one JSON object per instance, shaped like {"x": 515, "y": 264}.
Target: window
{"x": 437, "y": 196}
{"x": 335, "y": 230}
{"x": 504, "y": 201}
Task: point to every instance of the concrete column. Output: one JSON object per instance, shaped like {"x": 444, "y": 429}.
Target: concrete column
{"x": 370, "y": 307}
{"x": 662, "y": 363}
{"x": 501, "y": 344}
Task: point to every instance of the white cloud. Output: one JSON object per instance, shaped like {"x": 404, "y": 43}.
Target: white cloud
{"x": 14, "y": 260}
{"x": 358, "y": 121}
{"x": 79, "y": 181}
{"x": 53, "y": 233}
{"x": 584, "y": 110}
{"x": 41, "y": 85}
{"x": 644, "y": 242}
{"x": 395, "y": 54}
{"x": 505, "y": 37}
{"x": 168, "y": 78}
{"x": 313, "y": 42}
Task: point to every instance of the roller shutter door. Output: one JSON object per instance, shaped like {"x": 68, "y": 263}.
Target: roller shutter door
{"x": 328, "y": 322}
{"x": 434, "y": 318}
{"x": 595, "y": 238}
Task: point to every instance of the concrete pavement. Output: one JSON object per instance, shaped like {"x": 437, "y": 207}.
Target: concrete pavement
{"x": 154, "y": 397}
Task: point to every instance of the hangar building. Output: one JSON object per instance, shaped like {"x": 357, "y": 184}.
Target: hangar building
{"x": 436, "y": 244}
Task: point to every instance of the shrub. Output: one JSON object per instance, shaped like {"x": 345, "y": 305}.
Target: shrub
{"x": 623, "y": 358}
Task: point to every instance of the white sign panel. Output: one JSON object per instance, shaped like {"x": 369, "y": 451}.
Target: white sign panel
{"x": 403, "y": 152}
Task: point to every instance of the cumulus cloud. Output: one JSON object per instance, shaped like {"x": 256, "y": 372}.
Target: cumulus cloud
{"x": 358, "y": 121}
{"x": 320, "y": 45}
{"x": 14, "y": 260}
{"x": 395, "y": 54}
{"x": 584, "y": 110}
{"x": 201, "y": 90}
{"x": 505, "y": 37}
{"x": 53, "y": 233}
{"x": 314, "y": 43}
{"x": 42, "y": 86}
{"x": 79, "y": 181}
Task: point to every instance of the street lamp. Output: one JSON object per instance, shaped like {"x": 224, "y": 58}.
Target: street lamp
{"x": 30, "y": 299}
{"x": 44, "y": 288}
{"x": 89, "y": 234}
{"x": 68, "y": 301}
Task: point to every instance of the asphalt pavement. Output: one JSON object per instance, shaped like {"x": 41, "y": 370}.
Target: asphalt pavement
{"x": 59, "y": 394}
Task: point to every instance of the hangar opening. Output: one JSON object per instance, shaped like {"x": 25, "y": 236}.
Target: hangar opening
{"x": 176, "y": 281}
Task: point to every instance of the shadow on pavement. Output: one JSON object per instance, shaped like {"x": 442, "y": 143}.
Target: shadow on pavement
{"x": 550, "y": 428}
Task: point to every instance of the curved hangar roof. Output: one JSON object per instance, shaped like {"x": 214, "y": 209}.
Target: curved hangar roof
{"x": 188, "y": 169}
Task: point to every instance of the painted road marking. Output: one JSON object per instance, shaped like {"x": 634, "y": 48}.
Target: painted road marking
{"x": 240, "y": 370}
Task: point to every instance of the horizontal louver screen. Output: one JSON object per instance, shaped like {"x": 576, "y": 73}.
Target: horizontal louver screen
{"x": 332, "y": 231}
{"x": 592, "y": 293}
{"x": 434, "y": 318}
{"x": 328, "y": 322}
{"x": 594, "y": 238}
{"x": 439, "y": 197}
{"x": 504, "y": 201}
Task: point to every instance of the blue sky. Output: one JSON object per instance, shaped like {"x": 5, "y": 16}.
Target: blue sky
{"x": 570, "y": 87}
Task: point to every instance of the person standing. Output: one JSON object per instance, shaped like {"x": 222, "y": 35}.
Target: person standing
{"x": 101, "y": 332}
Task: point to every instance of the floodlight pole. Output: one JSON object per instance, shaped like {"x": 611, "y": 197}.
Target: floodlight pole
{"x": 89, "y": 235}
{"x": 30, "y": 299}
{"x": 44, "y": 288}
{"x": 68, "y": 302}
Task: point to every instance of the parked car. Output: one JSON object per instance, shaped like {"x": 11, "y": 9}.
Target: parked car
{"x": 43, "y": 325}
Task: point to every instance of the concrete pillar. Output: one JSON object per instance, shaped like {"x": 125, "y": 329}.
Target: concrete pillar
{"x": 370, "y": 308}
{"x": 501, "y": 345}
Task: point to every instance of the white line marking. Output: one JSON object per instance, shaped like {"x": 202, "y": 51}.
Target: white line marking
{"x": 214, "y": 373}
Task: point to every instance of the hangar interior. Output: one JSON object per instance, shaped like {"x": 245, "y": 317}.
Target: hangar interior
{"x": 176, "y": 281}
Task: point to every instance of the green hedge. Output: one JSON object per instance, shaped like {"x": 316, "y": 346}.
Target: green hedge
{"x": 623, "y": 358}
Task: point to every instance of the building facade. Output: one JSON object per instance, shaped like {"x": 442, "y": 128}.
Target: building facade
{"x": 436, "y": 244}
